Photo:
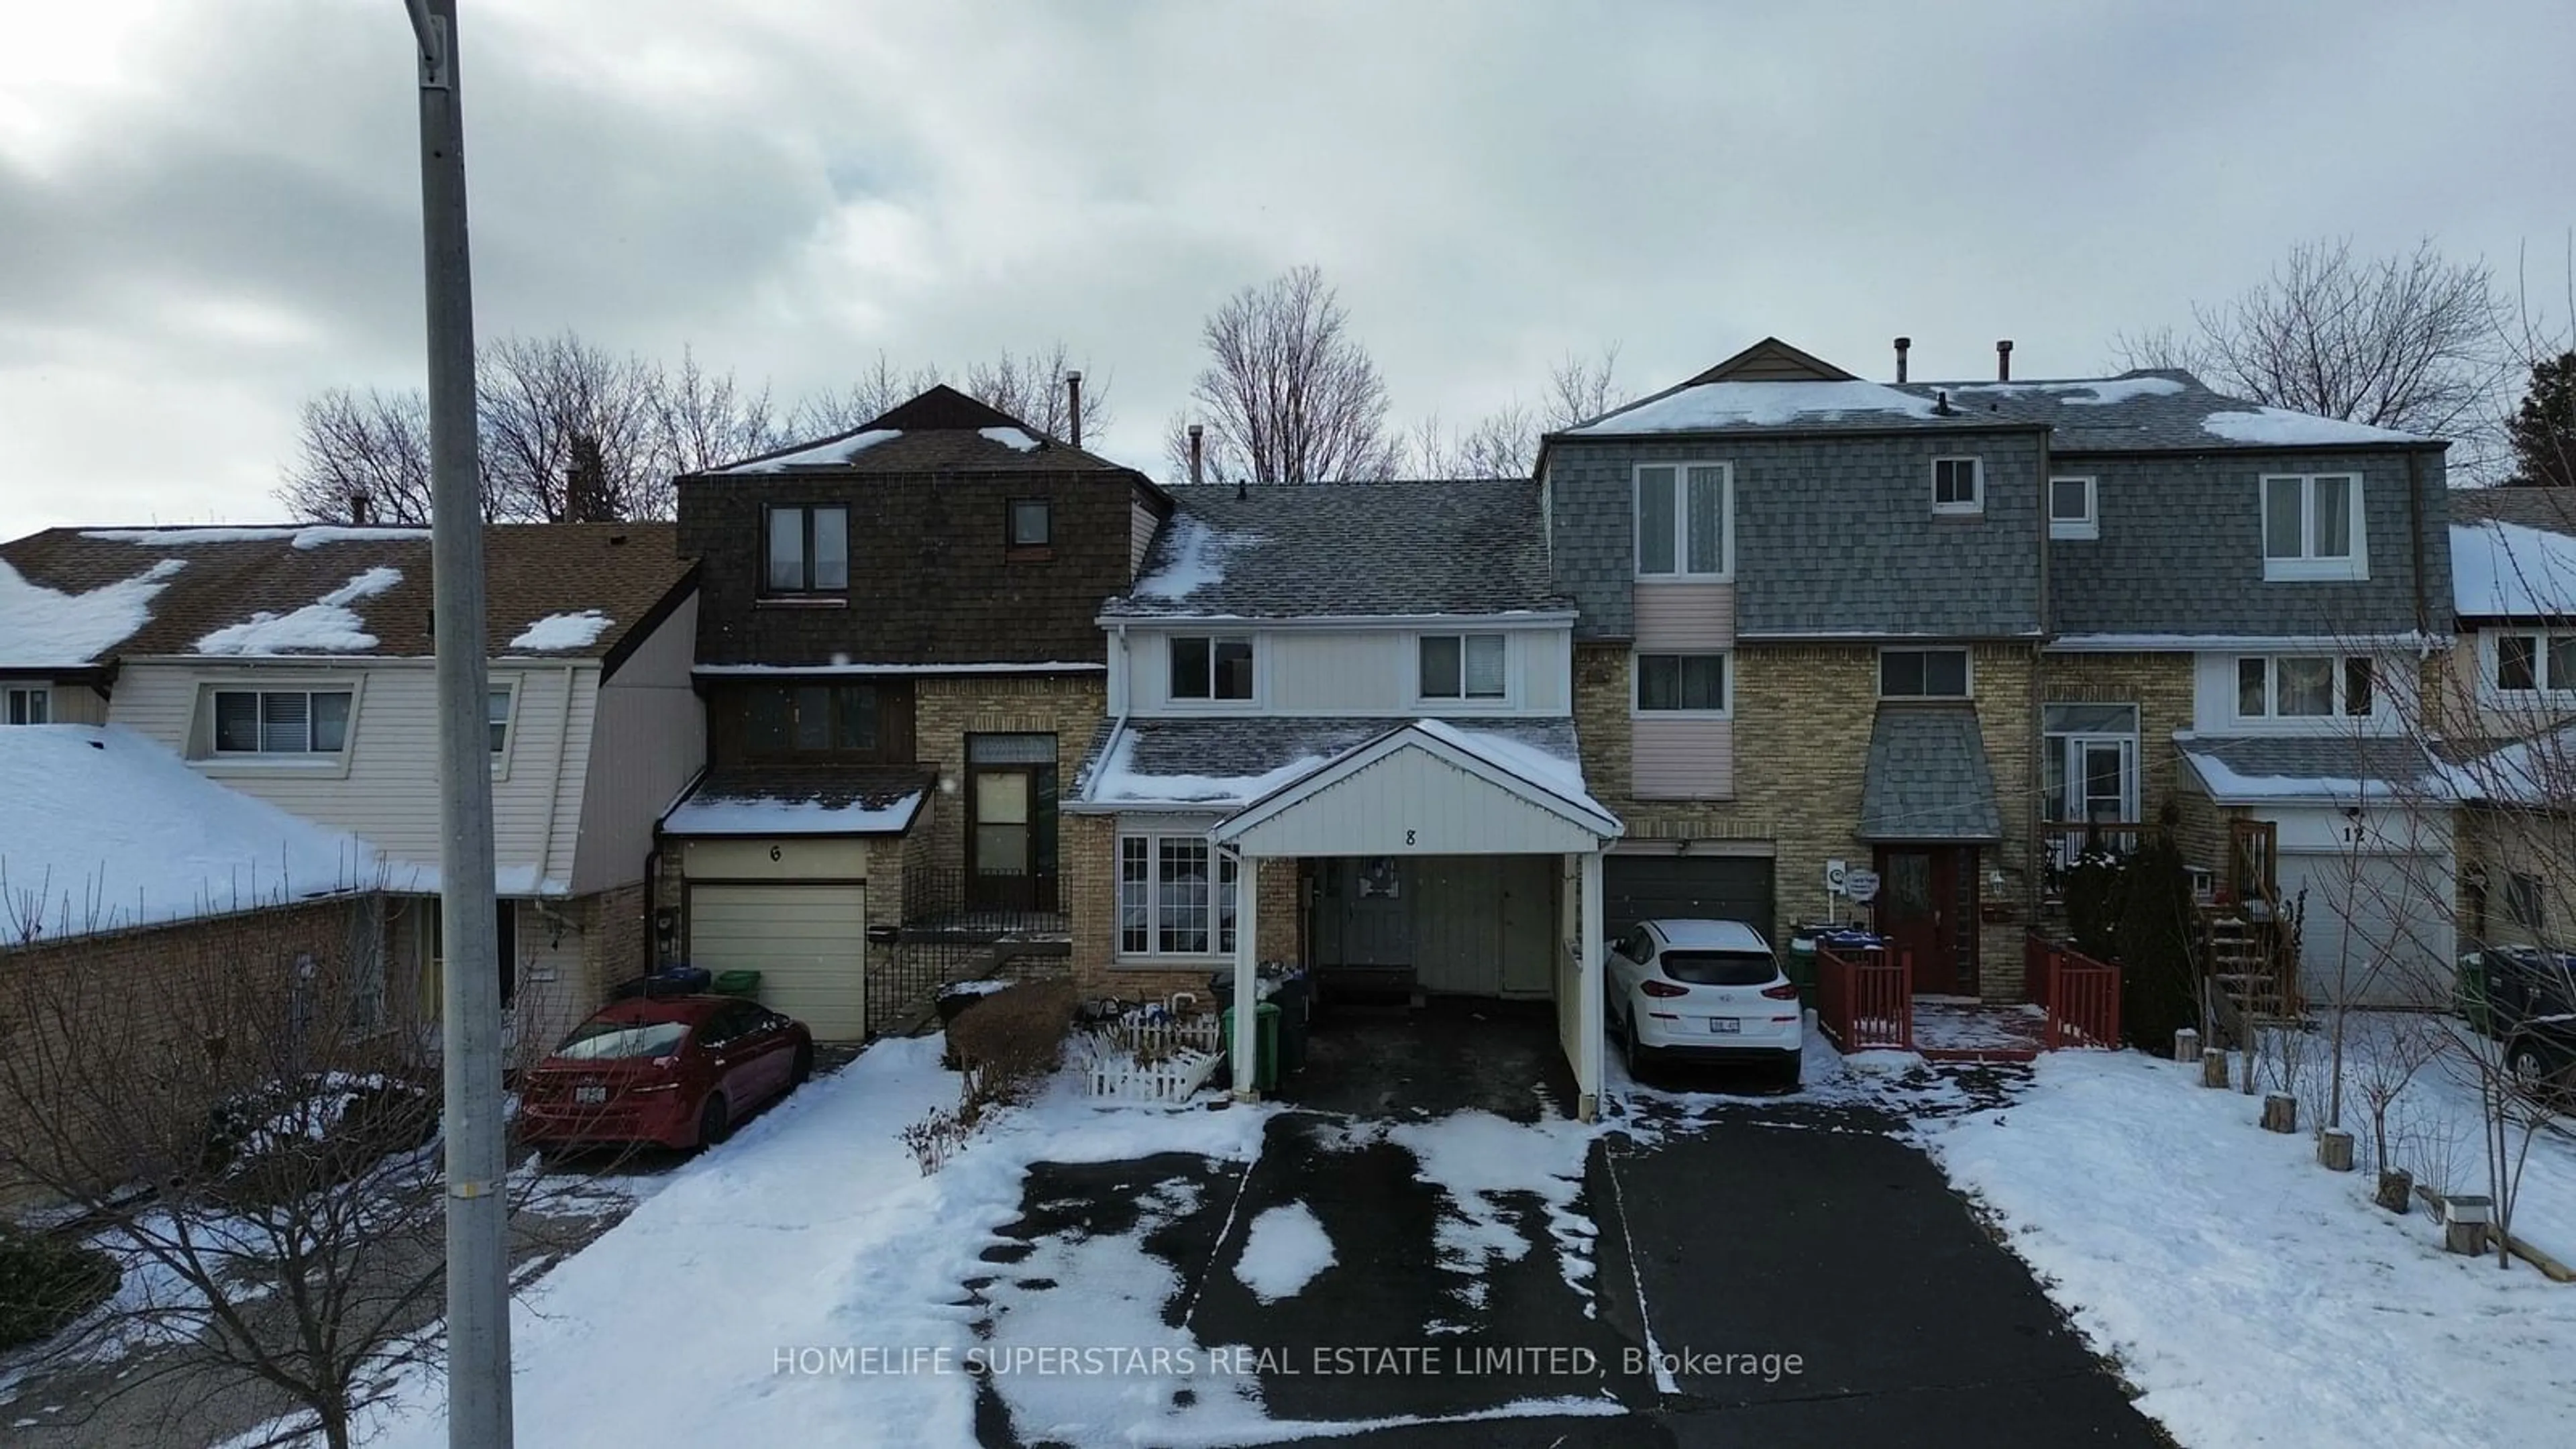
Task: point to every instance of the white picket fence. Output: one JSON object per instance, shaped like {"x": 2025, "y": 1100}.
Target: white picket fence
{"x": 1141, "y": 1059}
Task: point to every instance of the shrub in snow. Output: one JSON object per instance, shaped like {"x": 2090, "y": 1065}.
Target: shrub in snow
{"x": 1010, "y": 1042}
{"x": 2159, "y": 990}
{"x": 285, "y": 1138}
{"x": 2093, "y": 888}
{"x": 45, "y": 1284}
{"x": 933, "y": 1139}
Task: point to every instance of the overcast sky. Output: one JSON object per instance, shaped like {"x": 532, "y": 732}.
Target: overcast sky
{"x": 210, "y": 210}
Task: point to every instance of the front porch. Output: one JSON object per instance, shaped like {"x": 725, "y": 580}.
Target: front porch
{"x": 1866, "y": 1001}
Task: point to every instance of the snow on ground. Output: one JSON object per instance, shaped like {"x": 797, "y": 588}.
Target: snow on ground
{"x": 563, "y": 631}
{"x": 1283, "y": 1251}
{"x": 2253, "y": 1297}
{"x": 1477, "y": 1160}
{"x": 101, "y": 828}
{"x": 42, "y": 626}
{"x": 327, "y": 625}
{"x": 1758, "y": 404}
{"x": 2283, "y": 428}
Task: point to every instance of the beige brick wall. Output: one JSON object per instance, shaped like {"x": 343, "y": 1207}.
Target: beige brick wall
{"x": 2160, "y": 685}
{"x": 614, "y": 942}
{"x": 1803, "y": 718}
{"x": 946, "y": 709}
{"x": 1090, "y": 885}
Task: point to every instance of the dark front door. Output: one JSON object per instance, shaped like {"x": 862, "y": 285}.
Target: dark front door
{"x": 1367, "y": 912}
{"x": 1011, "y": 822}
{"x": 1927, "y": 906}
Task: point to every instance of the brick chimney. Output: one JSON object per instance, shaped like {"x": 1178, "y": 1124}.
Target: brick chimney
{"x": 1073, "y": 407}
{"x": 362, "y": 507}
{"x": 586, "y": 485}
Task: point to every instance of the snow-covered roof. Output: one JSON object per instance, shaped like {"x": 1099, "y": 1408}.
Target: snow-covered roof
{"x": 1712, "y": 405}
{"x": 2282, "y": 427}
{"x": 76, "y": 596}
{"x": 103, "y": 829}
{"x": 2505, "y": 570}
{"x": 2341, "y": 769}
{"x": 801, "y": 801}
{"x": 42, "y": 627}
{"x": 832, "y": 453}
{"x": 1016, "y": 439}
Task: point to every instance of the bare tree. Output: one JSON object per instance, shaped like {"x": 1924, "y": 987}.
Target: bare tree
{"x": 1504, "y": 443}
{"x": 1289, "y": 395}
{"x": 1580, "y": 390}
{"x": 1030, "y": 386}
{"x": 869, "y": 396}
{"x": 2404, "y": 341}
{"x": 371, "y": 446}
{"x": 538, "y": 396}
{"x": 705, "y": 419}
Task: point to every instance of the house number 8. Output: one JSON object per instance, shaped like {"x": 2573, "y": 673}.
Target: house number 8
{"x": 773, "y": 852}
{"x": 1408, "y": 837}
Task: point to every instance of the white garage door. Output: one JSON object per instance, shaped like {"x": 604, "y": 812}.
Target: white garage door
{"x": 808, "y": 942}
{"x": 2377, "y": 927}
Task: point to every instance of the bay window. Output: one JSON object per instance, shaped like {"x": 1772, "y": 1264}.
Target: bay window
{"x": 1176, "y": 896}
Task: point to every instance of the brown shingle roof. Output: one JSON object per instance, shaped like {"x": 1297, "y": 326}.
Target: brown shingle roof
{"x": 941, "y": 431}
{"x": 629, "y": 572}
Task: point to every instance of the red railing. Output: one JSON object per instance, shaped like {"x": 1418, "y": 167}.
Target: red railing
{"x": 2080, "y": 994}
{"x": 1865, "y": 1001}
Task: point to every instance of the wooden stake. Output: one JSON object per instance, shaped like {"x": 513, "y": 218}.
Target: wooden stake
{"x": 2213, "y": 1067}
{"x": 2395, "y": 1190}
{"x": 2334, "y": 1150}
{"x": 2187, "y": 1044}
{"x": 2280, "y": 1112}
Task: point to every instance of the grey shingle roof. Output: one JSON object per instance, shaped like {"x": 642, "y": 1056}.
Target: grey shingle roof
{"x": 1290, "y": 550}
{"x": 872, "y": 787}
{"x": 2328, "y": 765}
{"x": 2147, "y": 410}
{"x": 1927, "y": 777}
{"x": 1216, "y": 760}
{"x": 2553, "y": 509}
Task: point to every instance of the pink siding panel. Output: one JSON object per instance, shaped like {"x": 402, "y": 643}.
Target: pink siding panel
{"x": 1683, "y": 759}
{"x": 1685, "y": 616}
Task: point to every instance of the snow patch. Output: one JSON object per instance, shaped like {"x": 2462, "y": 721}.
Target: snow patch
{"x": 1285, "y": 1250}
{"x": 2508, "y": 570}
{"x": 308, "y": 536}
{"x": 41, "y": 626}
{"x": 1197, "y": 561}
{"x": 1478, "y": 1159}
{"x": 2281, "y": 427}
{"x": 1017, "y": 439}
{"x": 326, "y": 625}
{"x": 821, "y": 455}
{"x": 1118, "y": 782}
{"x": 2228, "y": 785}
{"x": 721, "y": 815}
{"x": 1759, "y": 404}
{"x": 1551, "y": 772}
{"x": 564, "y": 631}
{"x": 2099, "y": 392}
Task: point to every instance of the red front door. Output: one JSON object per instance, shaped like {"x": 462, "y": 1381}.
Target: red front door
{"x": 1926, "y": 905}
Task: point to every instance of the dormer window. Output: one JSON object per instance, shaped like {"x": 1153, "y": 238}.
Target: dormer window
{"x": 1209, "y": 667}
{"x": 809, "y": 550}
{"x": 1463, "y": 666}
{"x": 1958, "y": 485}
{"x": 2312, "y": 527}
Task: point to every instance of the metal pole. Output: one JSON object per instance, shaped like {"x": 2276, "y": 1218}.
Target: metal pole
{"x": 478, "y": 1293}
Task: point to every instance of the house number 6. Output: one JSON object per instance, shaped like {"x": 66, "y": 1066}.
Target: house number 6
{"x": 773, "y": 852}
{"x": 1408, "y": 837}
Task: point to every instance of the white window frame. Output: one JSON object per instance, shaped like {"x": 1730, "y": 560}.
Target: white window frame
{"x": 508, "y": 688}
{"x": 1210, "y": 700}
{"x": 1224, "y": 898}
{"x": 1976, "y": 486}
{"x": 2069, "y": 748}
{"x": 2545, "y": 681}
{"x": 2339, "y": 685}
{"x": 1681, "y": 571}
{"x": 2308, "y": 565}
{"x": 1501, "y": 640}
{"x": 1968, "y": 688}
{"x": 1637, "y": 684}
{"x": 28, "y": 704}
{"x": 2088, "y": 526}
{"x": 214, "y": 724}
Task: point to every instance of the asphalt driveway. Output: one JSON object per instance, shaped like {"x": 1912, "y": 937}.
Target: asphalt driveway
{"x": 1803, "y": 1274}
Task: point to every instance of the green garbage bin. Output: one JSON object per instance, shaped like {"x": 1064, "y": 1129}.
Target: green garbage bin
{"x": 735, "y": 983}
{"x": 1265, "y": 1047}
{"x": 1800, "y": 963}
{"x": 2469, "y": 994}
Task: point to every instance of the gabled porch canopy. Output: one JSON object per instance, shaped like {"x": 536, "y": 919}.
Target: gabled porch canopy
{"x": 1428, "y": 788}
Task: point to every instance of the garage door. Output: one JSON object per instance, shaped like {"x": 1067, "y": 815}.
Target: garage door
{"x": 2376, "y": 927}
{"x": 1710, "y": 887}
{"x": 808, "y": 942}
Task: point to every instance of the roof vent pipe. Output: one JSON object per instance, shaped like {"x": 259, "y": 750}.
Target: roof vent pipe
{"x": 362, "y": 507}
{"x": 2003, "y": 360}
{"x": 1941, "y": 403}
{"x": 1198, "y": 454}
{"x": 1073, "y": 406}
{"x": 1902, "y": 343}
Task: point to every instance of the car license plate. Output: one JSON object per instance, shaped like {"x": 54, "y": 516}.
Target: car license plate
{"x": 593, "y": 1096}
{"x": 1724, "y": 1025}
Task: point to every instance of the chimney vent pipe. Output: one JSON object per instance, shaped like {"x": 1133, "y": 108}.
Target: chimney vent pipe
{"x": 1198, "y": 454}
{"x": 1902, "y": 343}
{"x": 2003, "y": 360}
{"x": 362, "y": 507}
{"x": 1073, "y": 406}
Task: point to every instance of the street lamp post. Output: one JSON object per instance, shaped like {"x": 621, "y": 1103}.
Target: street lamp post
{"x": 478, "y": 1290}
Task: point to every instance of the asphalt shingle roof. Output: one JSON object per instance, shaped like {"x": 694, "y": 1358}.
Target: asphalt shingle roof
{"x": 2549, "y": 509}
{"x": 879, "y": 788}
{"x": 1927, "y": 777}
{"x": 1291, "y": 550}
{"x": 228, "y": 576}
{"x": 1210, "y": 753}
{"x": 2325, "y": 762}
{"x": 2142, "y": 411}
{"x": 941, "y": 431}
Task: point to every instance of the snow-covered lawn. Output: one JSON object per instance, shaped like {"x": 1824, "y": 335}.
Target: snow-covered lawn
{"x": 2254, "y": 1297}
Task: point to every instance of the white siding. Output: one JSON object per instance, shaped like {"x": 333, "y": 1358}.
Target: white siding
{"x": 1683, "y": 759}
{"x": 650, "y": 739}
{"x": 1348, "y": 672}
{"x": 1413, "y": 803}
{"x": 1140, "y": 536}
{"x": 2396, "y": 682}
{"x": 1693, "y": 616}
{"x": 386, "y": 788}
{"x": 67, "y": 703}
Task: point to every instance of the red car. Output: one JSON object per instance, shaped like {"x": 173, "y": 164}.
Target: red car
{"x": 675, "y": 1071}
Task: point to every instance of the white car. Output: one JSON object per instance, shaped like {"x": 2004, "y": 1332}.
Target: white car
{"x": 1709, "y": 990}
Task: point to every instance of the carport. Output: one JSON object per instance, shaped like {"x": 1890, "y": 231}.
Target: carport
{"x": 1428, "y": 788}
